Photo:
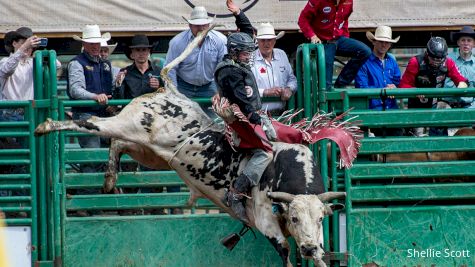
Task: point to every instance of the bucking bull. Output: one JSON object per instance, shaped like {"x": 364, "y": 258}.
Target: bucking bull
{"x": 165, "y": 128}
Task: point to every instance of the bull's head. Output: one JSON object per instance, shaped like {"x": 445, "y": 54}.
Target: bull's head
{"x": 304, "y": 215}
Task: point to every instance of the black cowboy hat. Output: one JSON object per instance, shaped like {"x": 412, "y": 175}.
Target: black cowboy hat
{"x": 465, "y": 31}
{"x": 138, "y": 41}
{"x": 20, "y": 33}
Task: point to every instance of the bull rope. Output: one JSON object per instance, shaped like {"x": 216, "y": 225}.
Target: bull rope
{"x": 186, "y": 141}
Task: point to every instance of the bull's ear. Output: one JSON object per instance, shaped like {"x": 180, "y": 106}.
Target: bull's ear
{"x": 329, "y": 208}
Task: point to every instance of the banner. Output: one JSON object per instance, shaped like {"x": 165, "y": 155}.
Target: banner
{"x": 166, "y": 17}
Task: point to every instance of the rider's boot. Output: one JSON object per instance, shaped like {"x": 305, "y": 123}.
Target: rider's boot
{"x": 236, "y": 195}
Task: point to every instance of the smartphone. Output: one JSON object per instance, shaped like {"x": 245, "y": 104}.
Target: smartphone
{"x": 43, "y": 42}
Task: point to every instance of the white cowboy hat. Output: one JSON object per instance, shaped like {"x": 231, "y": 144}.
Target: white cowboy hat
{"x": 266, "y": 31}
{"x": 383, "y": 34}
{"x": 199, "y": 16}
{"x": 92, "y": 34}
{"x": 110, "y": 46}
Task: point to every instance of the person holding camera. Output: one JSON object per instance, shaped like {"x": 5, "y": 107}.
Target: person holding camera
{"x": 16, "y": 70}
{"x": 16, "y": 83}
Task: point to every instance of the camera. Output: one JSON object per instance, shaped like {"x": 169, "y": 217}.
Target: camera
{"x": 43, "y": 42}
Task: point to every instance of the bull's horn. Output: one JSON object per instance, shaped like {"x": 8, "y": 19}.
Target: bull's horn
{"x": 282, "y": 196}
{"x": 329, "y": 196}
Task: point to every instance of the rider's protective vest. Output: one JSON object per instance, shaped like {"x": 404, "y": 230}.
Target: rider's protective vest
{"x": 427, "y": 77}
{"x": 249, "y": 104}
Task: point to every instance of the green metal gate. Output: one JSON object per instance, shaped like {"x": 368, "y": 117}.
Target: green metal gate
{"x": 111, "y": 236}
{"x": 405, "y": 213}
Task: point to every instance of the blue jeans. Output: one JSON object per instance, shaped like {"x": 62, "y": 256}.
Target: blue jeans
{"x": 256, "y": 165}
{"x": 191, "y": 91}
{"x": 346, "y": 47}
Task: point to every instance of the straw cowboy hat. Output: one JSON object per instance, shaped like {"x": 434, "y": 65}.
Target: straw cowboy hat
{"x": 266, "y": 31}
{"x": 92, "y": 34}
{"x": 199, "y": 16}
{"x": 465, "y": 31}
{"x": 383, "y": 34}
{"x": 110, "y": 46}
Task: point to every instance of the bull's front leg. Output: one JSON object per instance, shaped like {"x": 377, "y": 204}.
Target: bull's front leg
{"x": 268, "y": 223}
{"x": 282, "y": 247}
{"x": 318, "y": 262}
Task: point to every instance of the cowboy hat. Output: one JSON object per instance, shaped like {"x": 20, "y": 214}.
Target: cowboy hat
{"x": 465, "y": 31}
{"x": 110, "y": 46}
{"x": 20, "y": 33}
{"x": 199, "y": 16}
{"x": 266, "y": 31}
{"x": 138, "y": 41}
{"x": 383, "y": 34}
{"x": 92, "y": 34}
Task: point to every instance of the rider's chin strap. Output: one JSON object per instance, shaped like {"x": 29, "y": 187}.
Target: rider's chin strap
{"x": 186, "y": 142}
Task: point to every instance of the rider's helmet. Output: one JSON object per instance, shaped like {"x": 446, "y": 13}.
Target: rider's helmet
{"x": 436, "y": 51}
{"x": 241, "y": 47}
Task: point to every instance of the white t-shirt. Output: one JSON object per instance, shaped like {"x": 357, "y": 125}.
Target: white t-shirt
{"x": 16, "y": 77}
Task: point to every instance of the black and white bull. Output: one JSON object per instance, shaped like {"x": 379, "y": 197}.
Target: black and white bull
{"x": 166, "y": 127}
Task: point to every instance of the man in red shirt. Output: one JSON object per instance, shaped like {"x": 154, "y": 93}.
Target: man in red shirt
{"x": 326, "y": 22}
{"x": 429, "y": 70}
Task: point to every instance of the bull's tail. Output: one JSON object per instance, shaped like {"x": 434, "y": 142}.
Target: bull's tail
{"x": 164, "y": 73}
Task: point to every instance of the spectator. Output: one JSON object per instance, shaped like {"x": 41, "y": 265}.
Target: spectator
{"x": 90, "y": 78}
{"x": 429, "y": 70}
{"x": 465, "y": 61}
{"x": 106, "y": 51}
{"x": 16, "y": 83}
{"x": 380, "y": 71}
{"x": 326, "y": 22}
{"x": 141, "y": 77}
{"x": 272, "y": 70}
{"x": 194, "y": 76}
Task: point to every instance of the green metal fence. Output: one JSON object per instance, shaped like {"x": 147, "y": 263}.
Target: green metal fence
{"x": 118, "y": 230}
{"x": 411, "y": 213}
{"x": 396, "y": 211}
{"x": 393, "y": 209}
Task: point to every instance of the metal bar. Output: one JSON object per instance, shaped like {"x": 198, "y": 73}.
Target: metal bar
{"x": 300, "y": 76}
{"x": 125, "y": 179}
{"x": 61, "y": 188}
{"x": 411, "y": 144}
{"x": 55, "y": 167}
{"x": 125, "y": 201}
{"x": 392, "y": 170}
{"x": 41, "y": 152}
{"x": 422, "y": 192}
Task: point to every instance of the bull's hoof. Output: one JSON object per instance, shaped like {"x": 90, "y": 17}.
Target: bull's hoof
{"x": 109, "y": 182}
{"x": 43, "y": 128}
{"x": 319, "y": 263}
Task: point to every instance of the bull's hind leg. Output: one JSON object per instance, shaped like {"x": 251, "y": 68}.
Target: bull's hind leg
{"x": 110, "y": 176}
{"x": 112, "y": 127}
